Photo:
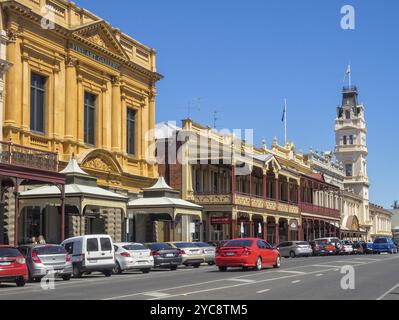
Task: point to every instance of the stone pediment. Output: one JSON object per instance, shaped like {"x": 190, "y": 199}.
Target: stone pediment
{"x": 100, "y": 34}
{"x": 100, "y": 164}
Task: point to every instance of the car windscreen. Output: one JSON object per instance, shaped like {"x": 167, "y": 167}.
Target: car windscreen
{"x": 202, "y": 244}
{"x": 158, "y": 246}
{"x": 48, "y": 250}
{"x": 302, "y": 243}
{"x": 185, "y": 245}
{"x": 239, "y": 243}
{"x": 9, "y": 253}
{"x": 132, "y": 247}
{"x": 380, "y": 240}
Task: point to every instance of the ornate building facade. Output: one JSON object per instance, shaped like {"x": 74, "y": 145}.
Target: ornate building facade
{"x": 79, "y": 88}
{"x": 245, "y": 190}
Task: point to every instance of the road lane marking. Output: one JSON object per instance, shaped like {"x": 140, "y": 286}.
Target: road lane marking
{"x": 351, "y": 261}
{"x": 157, "y": 294}
{"x": 326, "y": 265}
{"x": 319, "y": 275}
{"x": 214, "y": 281}
{"x": 263, "y": 291}
{"x": 295, "y": 272}
{"x": 367, "y": 259}
{"x": 241, "y": 280}
{"x": 295, "y": 281}
{"x": 388, "y": 292}
{"x": 228, "y": 287}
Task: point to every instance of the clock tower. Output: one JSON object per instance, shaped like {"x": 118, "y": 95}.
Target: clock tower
{"x": 351, "y": 148}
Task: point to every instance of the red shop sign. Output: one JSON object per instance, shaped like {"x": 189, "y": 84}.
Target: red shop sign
{"x": 220, "y": 220}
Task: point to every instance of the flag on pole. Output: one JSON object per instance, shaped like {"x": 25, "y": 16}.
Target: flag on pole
{"x": 348, "y": 72}
{"x": 284, "y": 112}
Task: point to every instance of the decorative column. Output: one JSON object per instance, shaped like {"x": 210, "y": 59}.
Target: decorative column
{"x": 116, "y": 115}
{"x": 264, "y": 186}
{"x": 233, "y": 183}
{"x": 300, "y": 233}
{"x": 314, "y": 230}
{"x": 16, "y": 212}
{"x": 71, "y": 92}
{"x": 13, "y": 80}
{"x": 277, "y": 240}
{"x": 63, "y": 213}
{"x": 265, "y": 230}
{"x": 80, "y": 108}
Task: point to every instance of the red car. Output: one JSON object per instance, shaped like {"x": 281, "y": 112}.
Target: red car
{"x": 12, "y": 266}
{"x": 247, "y": 253}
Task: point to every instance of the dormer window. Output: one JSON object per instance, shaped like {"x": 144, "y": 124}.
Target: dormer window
{"x": 347, "y": 114}
{"x": 351, "y": 139}
{"x": 345, "y": 140}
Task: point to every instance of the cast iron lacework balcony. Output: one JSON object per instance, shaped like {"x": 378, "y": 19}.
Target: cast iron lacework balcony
{"x": 245, "y": 199}
{"x": 16, "y": 155}
{"x": 327, "y": 212}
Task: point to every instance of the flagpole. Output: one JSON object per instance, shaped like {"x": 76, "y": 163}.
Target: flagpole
{"x": 285, "y": 122}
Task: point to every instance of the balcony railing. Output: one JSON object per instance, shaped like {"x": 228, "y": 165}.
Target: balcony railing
{"x": 322, "y": 211}
{"x": 244, "y": 199}
{"x": 26, "y": 157}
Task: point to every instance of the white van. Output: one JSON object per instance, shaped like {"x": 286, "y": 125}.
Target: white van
{"x": 91, "y": 253}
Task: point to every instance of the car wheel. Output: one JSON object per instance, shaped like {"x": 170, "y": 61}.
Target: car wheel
{"x": 20, "y": 282}
{"x": 107, "y": 273}
{"x": 196, "y": 266}
{"x": 278, "y": 263}
{"x": 66, "y": 278}
{"x": 292, "y": 254}
{"x": 77, "y": 273}
{"x": 173, "y": 268}
{"x": 258, "y": 266}
{"x": 146, "y": 270}
{"x": 211, "y": 263}
{"x": 117, "y": 269}
{"x": 222, "y": 269}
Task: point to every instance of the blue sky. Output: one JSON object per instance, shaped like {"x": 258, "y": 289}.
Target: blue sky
{"x": 244, "y": 57}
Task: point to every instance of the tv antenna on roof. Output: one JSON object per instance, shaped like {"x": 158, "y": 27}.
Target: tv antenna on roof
{"x": 215, "y": 118}
{"x": 194, "y": 103}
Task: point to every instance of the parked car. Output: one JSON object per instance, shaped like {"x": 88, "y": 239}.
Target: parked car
{"x": 164, "y": 256}
{"x": 347, "y": 247}
{"x": 208, "y": 252}
{"x": 13, "y": 266}
{"x": 130, "y": 256}
{"x": 332, "y": 245}
{"x": 359, "y": 247}
{"x": 318, "y": 247}
{"x": 41, "y": 259}
{"x": 91, "y": 253}
{"x": 191, "y": 254}
{"x": 384, "y": 244}
{"x": 295, "y": 249}
{"x": 369, "y": 248}
{"x": 247, "y": 253}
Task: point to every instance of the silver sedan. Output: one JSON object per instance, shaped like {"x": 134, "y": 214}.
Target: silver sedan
{"x": 130, "y": 256}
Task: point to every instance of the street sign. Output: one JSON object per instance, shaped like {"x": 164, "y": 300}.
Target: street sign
{"x": 220, "y": 220}
{"x": 294, "y": 225}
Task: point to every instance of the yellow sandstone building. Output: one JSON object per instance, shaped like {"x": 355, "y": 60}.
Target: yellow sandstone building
{"x": 79, "y": 86}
